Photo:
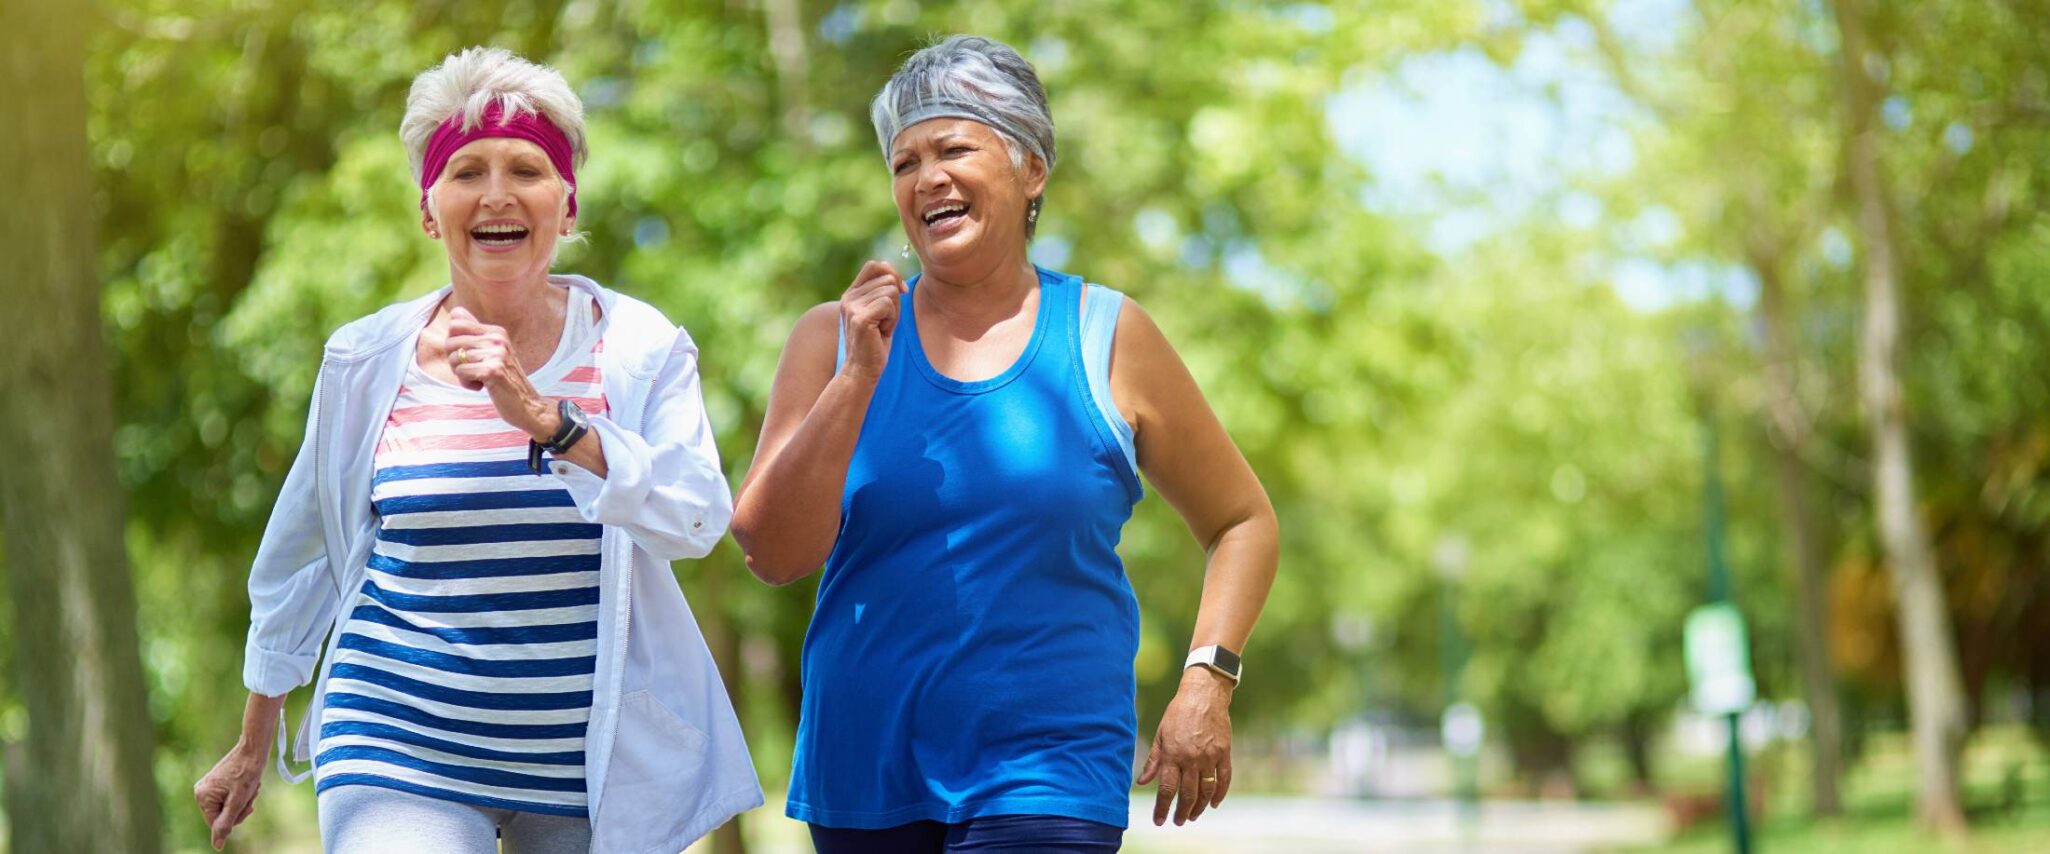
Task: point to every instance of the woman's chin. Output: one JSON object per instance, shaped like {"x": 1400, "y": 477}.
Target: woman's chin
{"x": 954, "y": 248}
{"x": 492, "y": 266}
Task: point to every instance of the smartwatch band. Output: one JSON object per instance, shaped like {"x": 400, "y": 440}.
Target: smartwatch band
{"x": 1217, "y": 658}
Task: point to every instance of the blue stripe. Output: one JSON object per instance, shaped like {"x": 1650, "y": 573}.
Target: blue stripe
{"x": 480, "y": 602}
{"x": 337, "y": 729}
{"x": 505, "y": 700}
{"x": 327, "y": 783}
{"x": 483, "y": 568}
{"x": 466, "y": 773}
{"x": 345, "y": 700}
{"x": 473, "y": 534}
{"x": 494, "y": 468}
{"x": 554, "y": 633}
{"x": 453, "y": 501}
{"x": 521, "y": 668}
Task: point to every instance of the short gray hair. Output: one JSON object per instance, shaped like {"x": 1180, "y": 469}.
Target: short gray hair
{"x": 969, "y": 77}
{"x": 467, "y": 83}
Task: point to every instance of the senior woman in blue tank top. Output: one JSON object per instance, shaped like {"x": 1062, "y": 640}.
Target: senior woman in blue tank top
{"x": 961, "y": 451}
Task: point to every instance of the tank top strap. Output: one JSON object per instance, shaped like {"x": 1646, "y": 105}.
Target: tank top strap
{"x": 1099, "y": 332}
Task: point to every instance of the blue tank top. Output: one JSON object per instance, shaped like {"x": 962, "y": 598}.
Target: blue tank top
{"x": 971, "y": 650}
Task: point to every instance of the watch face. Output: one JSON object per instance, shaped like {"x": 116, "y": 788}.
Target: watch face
{"x": 1227, "y": 661}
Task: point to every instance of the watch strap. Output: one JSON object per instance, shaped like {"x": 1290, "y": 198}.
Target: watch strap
{"x": 1216, "y": 658}
{"x": 572, "y": 427}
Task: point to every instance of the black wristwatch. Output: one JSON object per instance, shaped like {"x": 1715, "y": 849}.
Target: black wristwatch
{"x": 574, "y": 425}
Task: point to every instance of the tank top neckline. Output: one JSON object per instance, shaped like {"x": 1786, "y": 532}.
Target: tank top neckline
{"x": 1041, "y": 320}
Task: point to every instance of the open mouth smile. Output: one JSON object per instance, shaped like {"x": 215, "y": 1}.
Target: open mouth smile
{"x": 945, "y": 212}
{"x": 499, "y": 235}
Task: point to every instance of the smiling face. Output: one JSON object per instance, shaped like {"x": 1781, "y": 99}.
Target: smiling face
{"x": 960, "y": 199}
{"x": 500, "y": 207}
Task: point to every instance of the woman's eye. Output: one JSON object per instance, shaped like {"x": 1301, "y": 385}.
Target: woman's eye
{"x": 466, "y": 174}
{"x": 902, "y": 166}
{"x": 959, "y": 149}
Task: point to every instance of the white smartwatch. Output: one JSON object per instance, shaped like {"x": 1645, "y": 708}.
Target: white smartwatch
{"x": 1217, "y": 658}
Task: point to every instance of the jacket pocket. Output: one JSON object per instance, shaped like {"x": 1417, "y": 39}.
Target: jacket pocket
{"x": 655, "y": 781}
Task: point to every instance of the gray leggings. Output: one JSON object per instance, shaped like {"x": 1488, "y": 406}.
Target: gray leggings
{"x": 372, "y": 820}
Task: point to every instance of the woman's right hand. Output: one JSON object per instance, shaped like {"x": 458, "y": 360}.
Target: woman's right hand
{"x": 227, "y": 794}
{"x": 868, "y": 311}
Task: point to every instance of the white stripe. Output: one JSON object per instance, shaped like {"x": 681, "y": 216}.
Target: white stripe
{"x": 487, "y": 551}
{"x": 529, "y": 745}
{"x": 488, "y": 585}
{"x": 519, "y": 717}
{"x": 539, "y": 769}
{"x": 492, "y": 619}
{"x": 481, "y": 652}
{"x": 412, "y": 775}
{"x": 522, "y": 482}
{"x": 498, "y": 516}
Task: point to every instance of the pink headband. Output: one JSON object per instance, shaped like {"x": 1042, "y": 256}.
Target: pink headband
{"x": 529, "y": 126}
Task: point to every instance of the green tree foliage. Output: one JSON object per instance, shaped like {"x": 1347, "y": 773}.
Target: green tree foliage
{"x": 1395, "y": 395}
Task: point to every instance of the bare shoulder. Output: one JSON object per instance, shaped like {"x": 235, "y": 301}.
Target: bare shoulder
{"x": 814, "y": 339}
{"x": 1140, "y": 344}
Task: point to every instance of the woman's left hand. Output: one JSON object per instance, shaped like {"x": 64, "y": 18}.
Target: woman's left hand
{"x": 482, "y": 358}
{"x": 1191, "y": 753}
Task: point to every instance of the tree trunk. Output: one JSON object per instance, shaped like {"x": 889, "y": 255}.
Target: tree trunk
{"x": 1790, "y": 430}
{"x": 1928, "y": 649}
{"x": 81, "y": 780}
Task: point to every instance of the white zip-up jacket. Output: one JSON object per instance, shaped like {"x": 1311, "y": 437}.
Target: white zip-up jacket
{"x": 664, "y": 760}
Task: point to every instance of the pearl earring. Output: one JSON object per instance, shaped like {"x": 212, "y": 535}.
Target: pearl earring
{"x": 905, "y": 252}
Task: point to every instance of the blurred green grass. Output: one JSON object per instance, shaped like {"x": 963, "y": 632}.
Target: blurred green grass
{"x": 2006, "y": 788}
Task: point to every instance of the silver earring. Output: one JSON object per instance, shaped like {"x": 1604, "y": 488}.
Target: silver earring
{"x": 905, "y": 252}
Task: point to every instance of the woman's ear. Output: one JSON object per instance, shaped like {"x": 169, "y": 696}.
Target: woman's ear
{"x": 1035, "y": 176}
{"x": 427, "y": 224}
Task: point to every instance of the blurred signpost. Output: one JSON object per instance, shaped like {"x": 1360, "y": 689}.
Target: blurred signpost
{"x": 1718, "y": 655}
{"x": 1719, "y": 660}
{"x": 1460, "y": 725}
{"x": 1464, "y": 732}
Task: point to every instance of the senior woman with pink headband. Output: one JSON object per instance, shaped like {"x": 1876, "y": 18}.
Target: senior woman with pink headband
{"x": 494, "y": 479}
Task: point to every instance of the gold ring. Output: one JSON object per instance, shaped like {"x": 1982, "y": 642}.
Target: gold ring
{"x": 1210, "y": 779}
{"x": 463, "y": 356}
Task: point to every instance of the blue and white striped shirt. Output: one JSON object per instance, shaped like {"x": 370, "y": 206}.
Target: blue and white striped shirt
{"x": 464, "y": 670}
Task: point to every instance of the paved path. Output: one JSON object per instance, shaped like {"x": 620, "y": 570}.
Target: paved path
{"x": 1312, "y": 826}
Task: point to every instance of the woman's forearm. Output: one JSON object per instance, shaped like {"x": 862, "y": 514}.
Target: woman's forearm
{"x": 259, "y": 723}
{"x": 1240, "y": 571}
{"x": 788, "y": 515}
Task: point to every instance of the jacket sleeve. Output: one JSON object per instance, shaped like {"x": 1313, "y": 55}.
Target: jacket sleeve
{"x": 663, "y": 486}
{"x": 292, "y": 595}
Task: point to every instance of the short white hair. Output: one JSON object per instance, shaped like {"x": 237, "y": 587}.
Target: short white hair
{"x": 978, "y": 79}
{"x": 467, "y": 83}
{"x": 974, "y": 78}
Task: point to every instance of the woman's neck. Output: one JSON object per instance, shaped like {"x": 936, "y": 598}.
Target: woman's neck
{"x": 985, "y": 297}
{"x": 523, "y": 309}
